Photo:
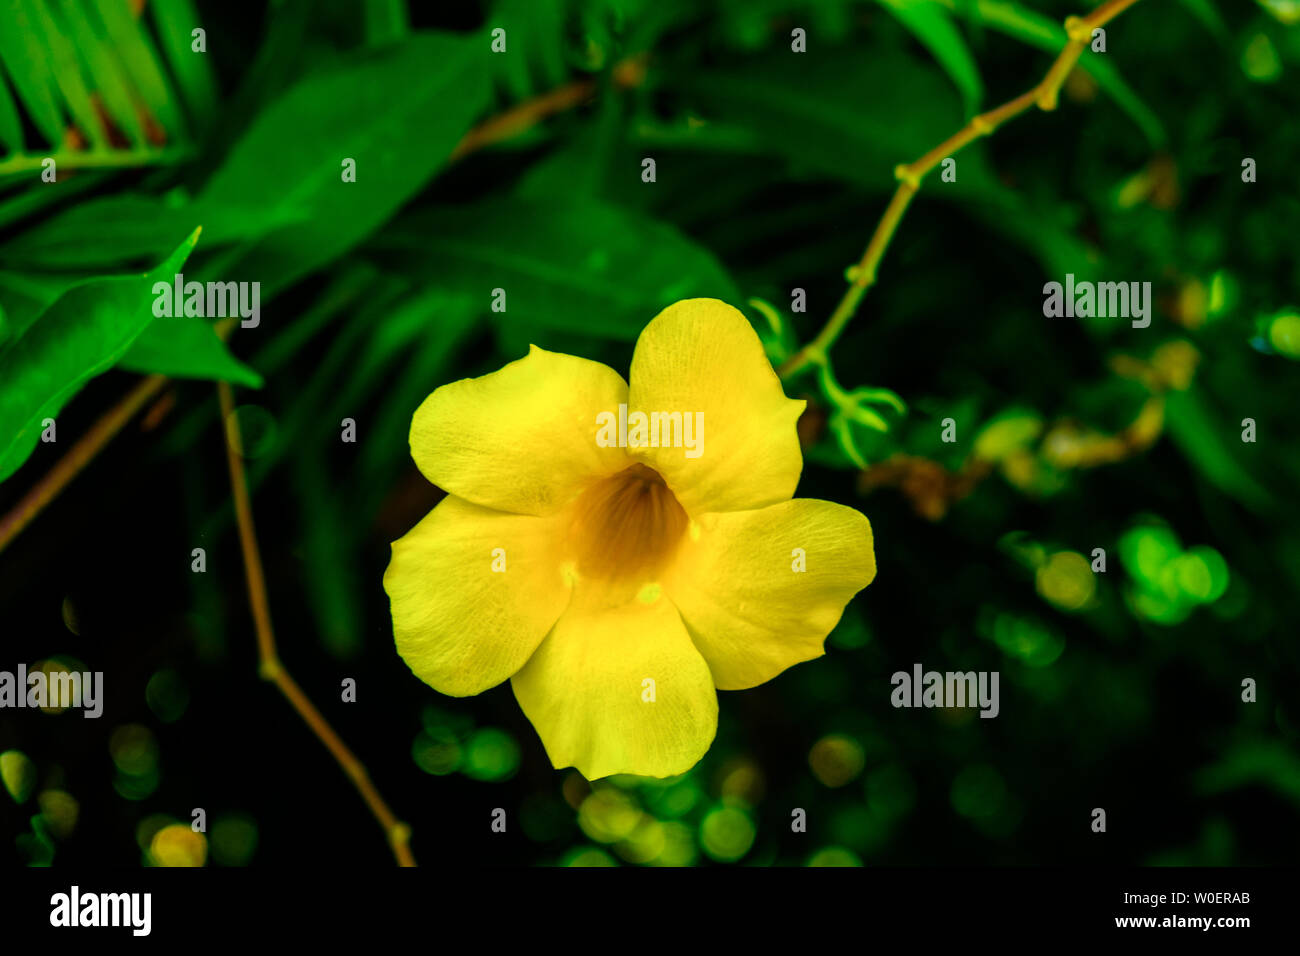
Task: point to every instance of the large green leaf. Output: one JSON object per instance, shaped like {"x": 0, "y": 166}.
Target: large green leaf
{"x": 27, "y": 64}
{"x": 84, "y": 333}
{"x": 11, "y": 127}
{"x": 24, "y": 296}
{"x": 87, "y": 65}
{"x": 112, "y": 230}
{"x": 186, "y": 346}
{"x": 535, "y": 38}
{"x": 134, "y": 48}
{"x": 838, "y": 113}
{"x": 398, "y": 111}
{"x": 386, "y": 21}
{"x": 329, "y": 508}
{"x": 580, "y": 267}
{"x": 105, "y": 71}
{"x": 175, "y": 20}
{"x": 66, "y": 72}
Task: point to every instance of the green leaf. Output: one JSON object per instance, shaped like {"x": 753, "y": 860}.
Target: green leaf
{"x": 329, "y": 549}
{"x": 67, "y": 72}
{"x": 580, "y": 267}
{"x": 930, "y": 23}
{"x": 187, "y": 347}
{"x": 175, "y": 20}
{"x": 838, "y": 113}
{"x": 84, "y": 333}
{"x": 25, "y": 60}
{"x": 106, "y": 72}
{"x": 1208, "y": 14}
{"x": 24, "y": 296}
{"x": 397, "y": 111}
{"x": 535, "y": 40}
{"x": 11, "y": 127}
{"x": 431, "y": 356}
{"x": 24, "y": 203}
{"x": 386, "y": 21}
{"x": 136, "y": 50}
{"x": 119, "y": 229}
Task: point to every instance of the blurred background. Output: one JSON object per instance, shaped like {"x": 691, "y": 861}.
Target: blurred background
{"x": 523, "y": 170}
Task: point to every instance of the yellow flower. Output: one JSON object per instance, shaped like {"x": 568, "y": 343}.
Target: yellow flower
{"x": 617, "y": 587}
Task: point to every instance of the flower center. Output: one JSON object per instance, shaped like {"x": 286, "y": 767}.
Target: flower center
{"x": 626, "y": 526}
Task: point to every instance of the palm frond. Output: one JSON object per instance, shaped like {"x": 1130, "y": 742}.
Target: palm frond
{"x": 82, "y": 83}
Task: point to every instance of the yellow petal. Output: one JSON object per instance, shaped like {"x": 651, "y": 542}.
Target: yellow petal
{"x": 586, "y": 692}
{"x": 747, "y": 608}
{"x": 702, "y": 355}
{"x": 461, "y": 626}
{"x": 523, "y": 438}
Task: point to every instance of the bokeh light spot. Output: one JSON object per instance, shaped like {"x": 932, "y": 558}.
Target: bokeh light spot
{"x": 726, "y": 834}
{"x": 588, "y": 856}
{"x": 491, "y": 755}
{"x": 134, "y": 749}
{"x": 18, "y": 773}
{"x": 834, "y": 856}
{"x": 59, "y": 809}
{"x": 1066, "y": 580}
{"x": 608, "y": 815}
{"x": 836, "y": 759}
{"x": 178, "y": 845}
{"x": 1284, "y": 335}
{"x": 436, "y": 751}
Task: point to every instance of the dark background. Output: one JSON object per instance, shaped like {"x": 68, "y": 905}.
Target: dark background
{"x": 1131, "y": 704}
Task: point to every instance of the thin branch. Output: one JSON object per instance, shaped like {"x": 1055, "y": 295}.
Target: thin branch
{"x": 909, "y": 175}
{"x": 269, "y": 666}
{"x": 77, "y": 457}
{"x": 523, "y": 117}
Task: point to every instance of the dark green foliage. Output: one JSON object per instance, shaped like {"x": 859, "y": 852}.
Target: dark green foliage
{"x": 772, "y": 169}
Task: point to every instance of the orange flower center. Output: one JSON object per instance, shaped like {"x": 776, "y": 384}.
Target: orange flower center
{"x": 626, "y": 527}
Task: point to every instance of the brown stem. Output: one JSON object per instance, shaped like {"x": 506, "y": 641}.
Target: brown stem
{"x": 76, "y": 458}
{"x": 269, "y": 666}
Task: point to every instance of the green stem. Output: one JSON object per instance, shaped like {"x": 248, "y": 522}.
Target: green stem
{"x": 20, "y": 163}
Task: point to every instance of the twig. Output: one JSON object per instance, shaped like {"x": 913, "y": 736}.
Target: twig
{"x": 526, "y": 115}
{"x": 269, "y": 666}
{"x": 76, "y": 458}
{"x": 1043, "y": 95}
